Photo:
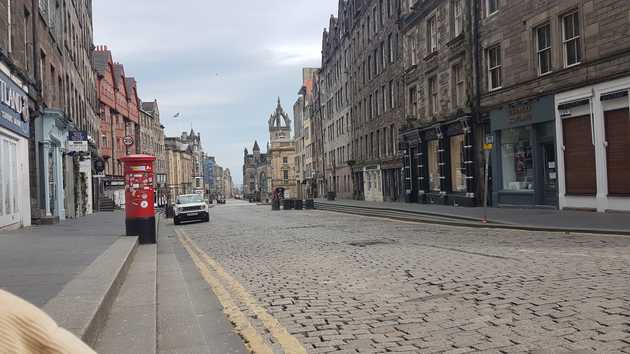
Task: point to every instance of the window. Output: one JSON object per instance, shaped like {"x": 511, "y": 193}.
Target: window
{"x": 458, "y": 171}
{"x": 378, "y": 107}
{"x": 492, "y": 6}
{"x": 375, "y": 19}
{"x": 433, "y": 96}
{"x": 390, "y": 48}
{"x": 412, "y": 47}
{"x": 543, "y": 49}
{"x": 571, "y": 39}
{"x": 384, "y": 98}
{"x": 413, "y": 102}
{"x": 285, "y": 160}
{"x": 458, "y": 17}
{"x": 389, "y": 8}
{"x": 391, "y": 94}
{"x": 494, "y": 67}
{"x": 517, "y": 162}
{"x": 433, "y": 166}
{"x": 458, "y": 86}
{"x": 432, "y": 35}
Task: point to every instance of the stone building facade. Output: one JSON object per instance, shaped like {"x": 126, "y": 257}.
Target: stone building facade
{"x": 336, "y": 95}
{"x": 555, "y": 87}
{"x": 179, "y": 156}
{"x": 376, "y": 96}
{"x": 437, "y": 141}
{"x": 45, "y": 49}
{"x": 282, "y": 153}
{"x": 151, "y": 142}
{"x": 256, "y": 174}
{"x": 303, "y": 135}
{"x": 193, "y": 140}
{"x": 119, "y": 114}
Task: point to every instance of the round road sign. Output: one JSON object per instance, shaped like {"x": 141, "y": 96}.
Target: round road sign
{"x": 128, "y": 140}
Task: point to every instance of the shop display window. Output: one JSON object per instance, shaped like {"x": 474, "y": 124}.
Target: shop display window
{"x": 517, "y": 159}
{"x": 458, "y": 171}
{"x": 432, "y": 162}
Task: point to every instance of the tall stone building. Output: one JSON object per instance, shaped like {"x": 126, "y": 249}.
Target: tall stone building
{"x": 180, "y": 159}
{"x": 335, "y": 94}
{"x": 256, "y": 174}
{"x": 45, "y": 50}
{"x": 375, "y": 84}
{"x": 303, "y": 135}
{"x": 151, "y": 142}
{"x": 119, "y": 114}
{"x": 555, "y": 87}
{"x": 193, "y": 140}
{"x": 228, "y": 184}
{"x": 437, "y": 141}
{"x": 282, "y": 152}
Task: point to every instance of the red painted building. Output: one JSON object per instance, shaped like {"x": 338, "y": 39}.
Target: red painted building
{"x": 119, "y": 111}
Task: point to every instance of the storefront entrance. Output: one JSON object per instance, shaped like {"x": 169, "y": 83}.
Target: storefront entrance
{"x": 550, "y": 174}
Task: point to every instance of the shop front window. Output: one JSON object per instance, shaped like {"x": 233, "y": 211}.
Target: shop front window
{"x": 517, "y": 160}
{"x": 432, "y": 160}
{"x": 458, "y": 172}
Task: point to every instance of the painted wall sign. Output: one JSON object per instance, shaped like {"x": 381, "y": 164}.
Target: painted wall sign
{"x": 14, "y": 113}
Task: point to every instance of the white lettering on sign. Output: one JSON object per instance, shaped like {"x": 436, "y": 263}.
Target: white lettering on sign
{"x": 14, "y": 100}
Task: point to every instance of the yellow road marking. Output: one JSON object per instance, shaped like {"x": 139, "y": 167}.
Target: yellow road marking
{"x": 288, "y": 342}
{"x": 254, "y": 342}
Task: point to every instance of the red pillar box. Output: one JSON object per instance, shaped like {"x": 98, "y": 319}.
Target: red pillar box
{"x": 139, "y": 197}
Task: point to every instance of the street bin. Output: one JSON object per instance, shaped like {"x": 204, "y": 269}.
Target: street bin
{"x": 331, "y": 196}
{"x": 286, "y": 204}
{"x": 299, "y": 204}
{"x": 140, "y": 198}
{"x": 309, "y": 204}
{"x": 275, "y": 205}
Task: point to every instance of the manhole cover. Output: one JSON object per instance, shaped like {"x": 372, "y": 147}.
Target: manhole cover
{"x": 365, "y": 243}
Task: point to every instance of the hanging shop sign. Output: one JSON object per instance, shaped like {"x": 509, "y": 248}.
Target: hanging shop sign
{"x": 128, "y": 140}
{"x": 13, "y": 106}
{"x": 77, "y": 141}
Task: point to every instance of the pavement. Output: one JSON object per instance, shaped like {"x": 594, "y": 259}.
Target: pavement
{"x": 526, "y": 217}
{"x": 37, "y": 262}
{"x": 340, "y": 283}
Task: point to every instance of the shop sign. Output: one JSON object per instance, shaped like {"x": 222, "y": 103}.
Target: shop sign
{"x": 13, "y": 106}
{"x": 488, "y": 142}
{"x": 520, "y": 113}
{"x": 77, "y": 141}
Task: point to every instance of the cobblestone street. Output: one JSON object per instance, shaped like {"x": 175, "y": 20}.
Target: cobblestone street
{"x": 345, "y": 284}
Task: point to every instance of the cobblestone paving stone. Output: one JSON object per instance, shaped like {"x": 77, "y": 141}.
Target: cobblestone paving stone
{"x": 348, "y": 284}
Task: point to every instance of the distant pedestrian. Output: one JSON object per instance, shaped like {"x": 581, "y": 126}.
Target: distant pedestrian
{"x": 25, "y": 329}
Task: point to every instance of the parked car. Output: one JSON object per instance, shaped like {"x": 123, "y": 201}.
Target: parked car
{"x": 191, "y": 207}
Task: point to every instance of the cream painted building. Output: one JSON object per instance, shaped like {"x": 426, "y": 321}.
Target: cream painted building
{"x": 282, "y": 153}
{"x": 180, "y": 173}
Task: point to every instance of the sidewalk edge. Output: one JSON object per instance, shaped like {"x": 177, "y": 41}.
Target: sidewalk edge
{"x": 83, "y": 304}
{"x": 465, "y": 222}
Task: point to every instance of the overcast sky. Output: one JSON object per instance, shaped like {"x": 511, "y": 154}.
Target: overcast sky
{"x": 221, "y": 64}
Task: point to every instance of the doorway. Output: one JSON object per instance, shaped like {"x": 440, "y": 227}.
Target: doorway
{"x": 550, "y": 173}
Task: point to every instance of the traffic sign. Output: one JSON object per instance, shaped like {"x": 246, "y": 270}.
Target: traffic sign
{"x": 128, "y": 140}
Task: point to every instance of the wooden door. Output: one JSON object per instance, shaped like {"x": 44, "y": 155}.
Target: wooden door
{"x": 618, "y": 151}
{"x": 579, "y": 156}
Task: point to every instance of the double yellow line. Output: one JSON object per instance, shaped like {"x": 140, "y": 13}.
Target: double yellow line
{"x": 230, "y": 293}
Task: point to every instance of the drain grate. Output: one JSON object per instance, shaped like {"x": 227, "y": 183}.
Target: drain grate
{"x": 365, "y": 243}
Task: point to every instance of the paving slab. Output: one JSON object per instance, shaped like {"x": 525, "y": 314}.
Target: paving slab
{"x": 37, "y": 262}
{"x": 131, "y": 325}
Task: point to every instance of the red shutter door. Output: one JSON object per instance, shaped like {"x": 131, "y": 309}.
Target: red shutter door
{"x": 579, "y": 156}
{"x": 618, "y": 151}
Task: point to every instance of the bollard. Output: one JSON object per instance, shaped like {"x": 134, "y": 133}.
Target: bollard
{"x": 139, "y": 198}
